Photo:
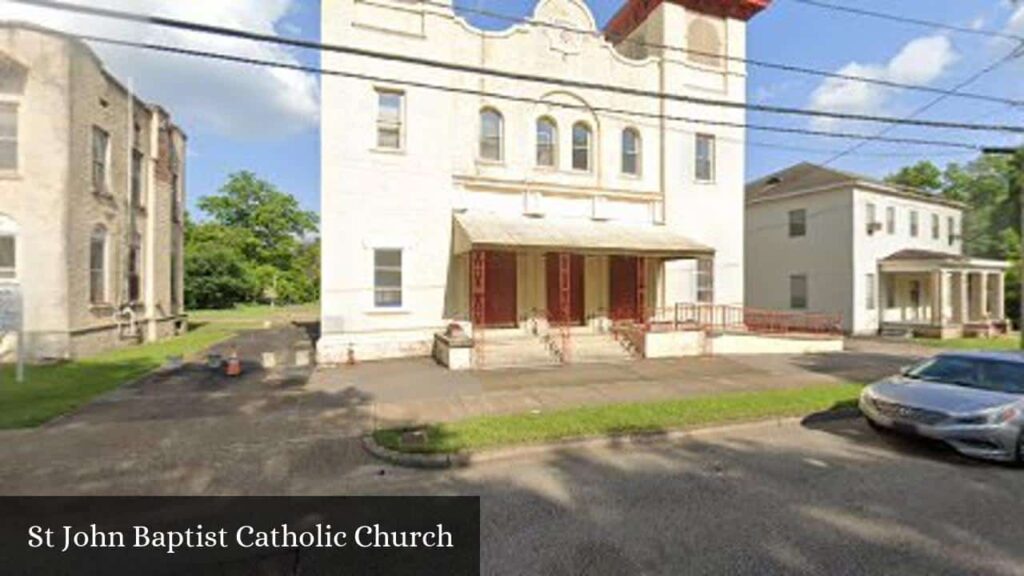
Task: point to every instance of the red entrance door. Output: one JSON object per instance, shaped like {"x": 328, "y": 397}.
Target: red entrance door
{"x": 624, "y": 288}
{"x": 500, "y": 290}
{"x": 556, "y": 312}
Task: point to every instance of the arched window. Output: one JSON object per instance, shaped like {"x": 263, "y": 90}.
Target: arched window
{"x": 8, "y": 248}
{"x": 491, "y": 135}
{"x": 704, "y": 41}
{"x": 582, "y": 142}
{"x": 547, "y": 143}
{"x": 98, "y": 266}
{"x": 631, "y": 152}
{"x": 135, "y": 269}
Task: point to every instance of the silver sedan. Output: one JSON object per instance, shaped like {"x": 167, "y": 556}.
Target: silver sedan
{"x": 973, "y": 401}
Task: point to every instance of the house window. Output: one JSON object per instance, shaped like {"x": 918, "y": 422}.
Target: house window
{"x": 890, "y": 293}
{"x": 491, "y": 129}
{"x": 872, "y": 217}
{"x": 582, "y": 140}
{"x": 174, "y": 277}
{"x": 8, "y": 137}
{"x": 951, "y": 224}
{"x": 914, "y": 223}
{"x": 8, "y": 256}
{"x": 136, "y": 179}
{"x": 390, "y": 110}
{"x": 705, "y": 281}
{"x": 797, "y": 223}
{"x": 387, "y": 270}
{"x": 890, "y": 220}
{"x": 98, "y": 266}
{"x": 100, "y": 155}
{"x": 936, "y": 227}
{"x": 631, "y": 152}
{"x": 705, "y": 168}
{"x": 175, "y": 204}
{"x": 798, "y": 292}
{"x": 135, "y": 269}
{"x": 547, "y": 143}
{"x": 871, "y": 290}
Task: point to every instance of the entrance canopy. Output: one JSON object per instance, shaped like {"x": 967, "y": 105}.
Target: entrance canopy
{"x": 928, "y": 261}
{"x": 482, "y": 231}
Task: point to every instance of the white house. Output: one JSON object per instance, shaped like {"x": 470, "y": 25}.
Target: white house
{"x": 888, "y": 258}
{"x": 451, "y": 196}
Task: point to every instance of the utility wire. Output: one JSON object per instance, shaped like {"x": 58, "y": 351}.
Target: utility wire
{"x": 908, "y": 20}
{"x": 748, "y": 61}
{"x": 509, "y": 97}
{"x": 415, "y": 60}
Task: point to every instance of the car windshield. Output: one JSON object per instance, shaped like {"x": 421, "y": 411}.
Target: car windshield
{"x": 983, "y": 374}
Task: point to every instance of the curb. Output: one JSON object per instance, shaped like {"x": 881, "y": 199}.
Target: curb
{"x": 466, "y": 459}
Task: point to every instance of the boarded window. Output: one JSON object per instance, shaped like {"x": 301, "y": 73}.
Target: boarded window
{"x": 871, "y": 291}
{"x": 797, "y": 223}
{"x": 547, "y": 143}
{"x": 705, "y": 158}
{"x": 100, "y": 153}
{"x": 387, "y": 270}
{"x": 8, "y": 137}
{"x": 98, "y": 266}
{"x": 390, "y": 112}
{"x": 705, "y": 44}
{"x": 798, "y": 292}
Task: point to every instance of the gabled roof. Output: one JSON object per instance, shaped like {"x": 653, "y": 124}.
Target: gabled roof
{"x": 807, "y": 178}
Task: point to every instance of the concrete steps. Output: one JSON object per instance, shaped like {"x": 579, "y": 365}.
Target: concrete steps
{"x": 512, "y": 350}
{"x": 597, "y": 348}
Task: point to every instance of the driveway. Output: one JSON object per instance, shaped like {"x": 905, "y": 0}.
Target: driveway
{"x": 292, "y": 430}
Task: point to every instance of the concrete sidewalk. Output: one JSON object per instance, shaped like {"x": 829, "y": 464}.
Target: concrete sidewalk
{"x": 416, "y": 391}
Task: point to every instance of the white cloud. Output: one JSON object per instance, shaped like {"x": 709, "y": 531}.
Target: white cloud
{"x": 231, "y": 99}
{"x": 920, "y": 61}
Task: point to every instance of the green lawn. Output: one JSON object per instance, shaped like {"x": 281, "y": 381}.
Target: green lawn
{"x": 49, "y": 391}
{"x": 250, "y": 313}
{"x": 495, "y": 431}
{"x": 1002, "y": 343}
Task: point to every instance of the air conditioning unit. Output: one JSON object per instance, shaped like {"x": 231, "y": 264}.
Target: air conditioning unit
{"x": 874, "y": 227}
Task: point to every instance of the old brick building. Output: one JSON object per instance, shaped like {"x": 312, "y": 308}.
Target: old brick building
{"x": 91, "y": 197}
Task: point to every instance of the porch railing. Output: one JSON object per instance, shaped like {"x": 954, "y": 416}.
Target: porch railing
{"x": 716, "y": 317}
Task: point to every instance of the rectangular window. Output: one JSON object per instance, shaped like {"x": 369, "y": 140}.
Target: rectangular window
{"x": 798, "y": 292}
{"x": 100, "y": 152}
{"x": 872, "y": 215}
{"x": 705, "y": 281}
{"x": 705, "y": 168}
{"x": 890, "y": 220}
{"x": 174, "y": 279}
{"x": 8, "y": 137}
{"x": 97, "y": 270}
{"x": 175, "y": 204}
{"x": 390, "y": 111}
{"x": 871, "y": 289}
{"x": 797, "y": 223}
{"x": 914, "y": 223}
{"x": 951, "y": 224}
{"x": 387, "y": 273}
{"x": 137, "y": 178}
{"x": 936, "y": 227}
{"x": 135, "y": 271}
{"x": 8, "y": 257}
{"x": 890, "y": 293}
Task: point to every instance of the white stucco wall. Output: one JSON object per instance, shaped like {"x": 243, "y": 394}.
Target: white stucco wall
{"x": 405, "y": 199}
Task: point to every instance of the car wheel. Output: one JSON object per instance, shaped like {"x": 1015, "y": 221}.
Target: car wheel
{"x": 1020, "y": 450}
{"x": 877, "y": 427}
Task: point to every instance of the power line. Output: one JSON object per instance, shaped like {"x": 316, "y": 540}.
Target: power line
{"x": 508, "y": 97}
{"x": 362, "y": 52}
{"x": 909, "y": 20}
{"x": 748, "y": 61}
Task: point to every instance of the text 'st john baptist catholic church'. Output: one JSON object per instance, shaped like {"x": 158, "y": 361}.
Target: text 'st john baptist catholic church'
{"x": 511, "y": 204}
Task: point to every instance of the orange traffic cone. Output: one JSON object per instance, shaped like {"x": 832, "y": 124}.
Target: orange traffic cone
{"x": 234, "y": 365}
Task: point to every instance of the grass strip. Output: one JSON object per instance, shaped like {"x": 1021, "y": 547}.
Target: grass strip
{"x": 496, "y": 431}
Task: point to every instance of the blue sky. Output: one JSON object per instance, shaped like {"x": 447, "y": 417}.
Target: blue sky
{"x": 285, "y": 148}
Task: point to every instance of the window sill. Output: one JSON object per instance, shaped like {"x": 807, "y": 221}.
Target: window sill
{"x": 388, "y": 312}
{"x": 388, "y": 151}
{"x": 546, "y": 169}
{"x": 10, "y": 175}
{"x": 489, "y": 162}
{"x": 704, "y": 182}
{"x": 101, "y": 307}
{"x": 628, "y": 176}
{"x": 102, "y": 194}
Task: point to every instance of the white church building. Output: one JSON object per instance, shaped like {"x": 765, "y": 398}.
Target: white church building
{"x": 455, "y": 197}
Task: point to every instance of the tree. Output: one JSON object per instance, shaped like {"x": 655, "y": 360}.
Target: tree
{"x": 215, "y": 277}
{"x": 922, "y": 176}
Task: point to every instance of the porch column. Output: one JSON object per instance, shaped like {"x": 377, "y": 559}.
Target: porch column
{"x": 983, "y": 295}
{"x": 1000, "y": 304}
{"x": 938, "y": 298}
{"x": 964, "y": 315}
